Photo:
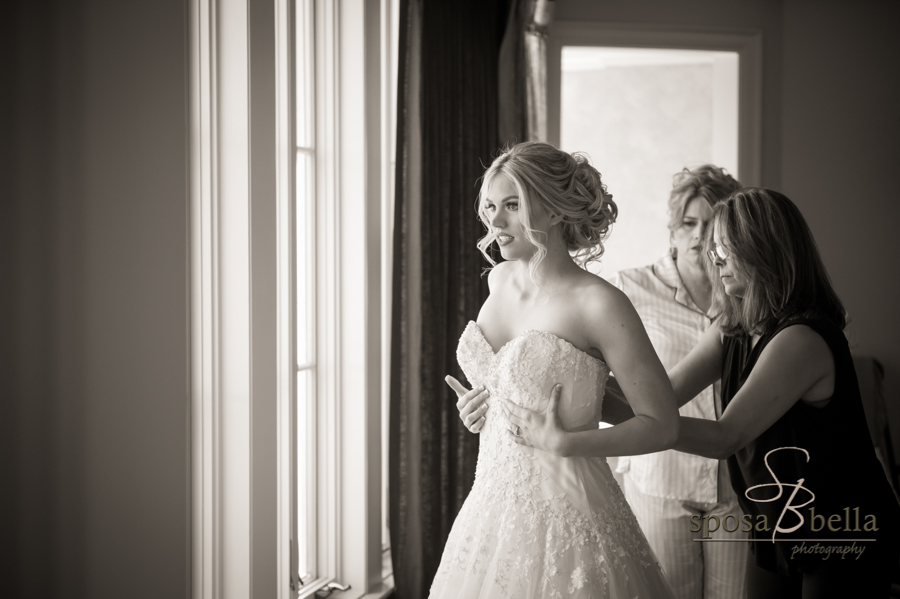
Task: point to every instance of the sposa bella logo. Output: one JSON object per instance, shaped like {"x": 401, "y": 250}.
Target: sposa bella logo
{"x": 799, "y": 498}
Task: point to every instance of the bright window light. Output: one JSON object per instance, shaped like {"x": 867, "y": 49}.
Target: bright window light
{"x": 305, "y": 242}
{"x": 642, "y": 115}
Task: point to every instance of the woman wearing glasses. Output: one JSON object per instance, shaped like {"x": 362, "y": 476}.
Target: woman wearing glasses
{"x": 820, "y": 512}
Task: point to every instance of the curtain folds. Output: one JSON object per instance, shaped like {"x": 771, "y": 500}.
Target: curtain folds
{"x": 447, "y": 133}
{"x": 523, "y": 72}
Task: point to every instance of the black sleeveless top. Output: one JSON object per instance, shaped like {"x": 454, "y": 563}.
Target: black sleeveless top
{"x": 841, "y": 470}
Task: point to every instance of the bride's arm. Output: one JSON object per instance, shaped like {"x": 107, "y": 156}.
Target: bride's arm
{"x": 621, "y": 338}
{"x": 698, "y": 370}
{"x": 615, "y": 408}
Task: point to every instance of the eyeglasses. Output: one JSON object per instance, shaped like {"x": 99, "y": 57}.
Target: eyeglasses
{"x": 718, "y": 253}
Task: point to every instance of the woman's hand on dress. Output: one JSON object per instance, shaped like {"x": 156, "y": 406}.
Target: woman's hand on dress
{"x": 472, "y": 405}
{"x": 542, "y": 430}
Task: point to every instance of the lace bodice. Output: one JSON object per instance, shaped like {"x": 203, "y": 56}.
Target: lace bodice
{"x": 527, "y": 367}
{"x": 536, "y": 524}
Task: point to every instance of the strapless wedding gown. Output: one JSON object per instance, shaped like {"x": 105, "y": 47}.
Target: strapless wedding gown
{"x": 535, "y": 524}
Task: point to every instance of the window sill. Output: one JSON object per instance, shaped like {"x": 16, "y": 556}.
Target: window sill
{"x": 379, "y": 591}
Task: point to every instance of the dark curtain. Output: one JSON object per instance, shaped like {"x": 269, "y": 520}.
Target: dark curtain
{"x": 523, "y": 72}
{"x": 447, "y": 134}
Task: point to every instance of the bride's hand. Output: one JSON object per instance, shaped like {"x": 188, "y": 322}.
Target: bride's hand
{"x": 471, "y": 404}
{"x": 542, "y": 430}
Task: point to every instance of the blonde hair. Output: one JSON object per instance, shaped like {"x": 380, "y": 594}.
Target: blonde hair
{"x": 563, "y": 184}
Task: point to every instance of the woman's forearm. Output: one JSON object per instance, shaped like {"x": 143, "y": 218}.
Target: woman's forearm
{"x": 639, "y": 435}
{"x": 705, "y": 438}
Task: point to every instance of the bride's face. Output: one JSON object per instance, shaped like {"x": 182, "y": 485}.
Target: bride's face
{"x": 508, "y": 219}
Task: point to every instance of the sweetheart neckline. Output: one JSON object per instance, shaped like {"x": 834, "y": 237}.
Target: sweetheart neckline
{"x": 538, "y": 331}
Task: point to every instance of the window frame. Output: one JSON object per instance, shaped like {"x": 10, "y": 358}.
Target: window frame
{"x": 747, "y": 44}
{"x": 243, "y": 346}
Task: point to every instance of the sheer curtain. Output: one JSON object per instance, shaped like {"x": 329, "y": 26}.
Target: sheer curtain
{"x": 449, "y": 129}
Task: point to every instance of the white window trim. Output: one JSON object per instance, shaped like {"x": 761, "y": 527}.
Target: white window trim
{"x": 286, "y": 570}
{"x": 234, "y": 325}
{"x": 747, "y": 44}
{"x": 242, "y": 345}
{"x": 349, "y": 283}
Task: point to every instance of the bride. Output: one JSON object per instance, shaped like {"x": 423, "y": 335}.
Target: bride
{"x": 536, "y": 524}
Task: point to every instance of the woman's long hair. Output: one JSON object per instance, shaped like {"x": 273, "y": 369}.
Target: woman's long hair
{"x": 770, "y": 244}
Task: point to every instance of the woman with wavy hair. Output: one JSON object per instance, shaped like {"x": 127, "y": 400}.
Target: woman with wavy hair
{"x": 819, "y": 509}
{"x": 544, "y": 523}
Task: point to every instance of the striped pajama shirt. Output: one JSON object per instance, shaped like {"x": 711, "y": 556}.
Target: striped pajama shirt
{"x": 668, "y": 488}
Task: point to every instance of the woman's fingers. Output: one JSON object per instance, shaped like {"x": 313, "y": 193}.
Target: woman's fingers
{"x": 516, "y": 415}
{"x": 472, "y": 401}
{"x": 479, "y": 424}
{"x": 455, "y": 385}
{"x": 473, "y": 416}
{"x": 471, "y": 404}
{"x": 516, "y": 411}
{"x": 475, "y": 424}
{"x": 517, "y": 438}
{"x": 466, "y": 397}
{"x": 554, "y": 399}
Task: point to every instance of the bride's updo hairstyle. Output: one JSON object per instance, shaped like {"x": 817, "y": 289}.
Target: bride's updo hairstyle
{"x": 562, "y": 184}
{"x": 770, "y": 244}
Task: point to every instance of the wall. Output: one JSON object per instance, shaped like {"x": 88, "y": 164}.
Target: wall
{"x": 840, "y": 154}
{"x": 96, "y": 403}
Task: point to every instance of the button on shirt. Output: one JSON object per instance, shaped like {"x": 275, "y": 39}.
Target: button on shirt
{"x": 674, "y": 324}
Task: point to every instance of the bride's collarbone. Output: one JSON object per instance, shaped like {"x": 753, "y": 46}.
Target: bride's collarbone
{"x": 511, "y": 319}
{"x": 515, "y": 310}
{"x": 533, "y": 300}
{"x": 499, "y": 337}
{"x": 506, "y": 326}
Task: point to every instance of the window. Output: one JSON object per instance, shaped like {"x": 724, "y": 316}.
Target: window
{"x": 343, "y": 193}
{"x": 304, "y": 429}
{"x": 646, "y": 102}
{"x": 287, "y": 217}
{"x": 643, "y": 114}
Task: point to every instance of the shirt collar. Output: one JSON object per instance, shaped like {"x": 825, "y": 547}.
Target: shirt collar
{"x": 666, "y": 271}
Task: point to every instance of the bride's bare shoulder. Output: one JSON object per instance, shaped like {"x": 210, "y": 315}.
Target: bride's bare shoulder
{"x": 498, "y": 275}
{"x": 595, "y": 288}
{"x": 596, "y": 295}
